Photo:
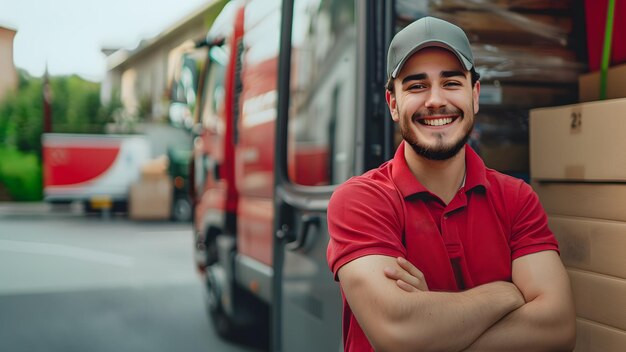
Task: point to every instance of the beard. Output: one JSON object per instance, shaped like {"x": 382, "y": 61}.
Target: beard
{"x": 441, "y": 150}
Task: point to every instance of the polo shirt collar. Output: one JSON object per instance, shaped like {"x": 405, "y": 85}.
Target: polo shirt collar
{"x": 475, "y": 170}
{"x": 475, "y": 174}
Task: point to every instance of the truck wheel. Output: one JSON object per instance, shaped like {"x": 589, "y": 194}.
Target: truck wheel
{"x": 214, "y": 285}
{"x": 254, "y": 334}
{"x": 181, "y": 209}
{"x": 88, "y": 209}
{"x": 223, "y": 325}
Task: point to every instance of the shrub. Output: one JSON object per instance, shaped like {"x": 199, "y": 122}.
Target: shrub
{"x": 20, "y": 173}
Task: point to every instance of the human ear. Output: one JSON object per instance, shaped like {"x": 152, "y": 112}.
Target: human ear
{"x": 476, "y": 96}
{"x": 392, "y": 104}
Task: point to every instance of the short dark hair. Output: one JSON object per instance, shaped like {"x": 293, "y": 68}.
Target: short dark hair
{"x": 475, "y": 78}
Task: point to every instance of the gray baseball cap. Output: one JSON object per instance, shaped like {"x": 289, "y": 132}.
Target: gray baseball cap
{"x": 423, "y": 33}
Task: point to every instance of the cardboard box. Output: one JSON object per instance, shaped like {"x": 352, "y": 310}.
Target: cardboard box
{"x": 589, "y": 84}
{"x": 590, "y": 200}
{"x": 592, "y": 245}
{"x": 155, "y": 168}
{"x": 151, "y": 199}
{"x": 594, "y": 337}
{"x": 599, "y": 298}
{"x": 580, "y": 142}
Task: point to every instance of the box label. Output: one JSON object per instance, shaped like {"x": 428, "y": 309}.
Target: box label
{"x": 576, "y": 121}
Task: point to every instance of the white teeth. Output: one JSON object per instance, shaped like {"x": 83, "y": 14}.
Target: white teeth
{"x": 438, "y": 122}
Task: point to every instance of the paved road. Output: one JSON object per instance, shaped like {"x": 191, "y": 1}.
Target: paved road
{"x": 69, "y": 282}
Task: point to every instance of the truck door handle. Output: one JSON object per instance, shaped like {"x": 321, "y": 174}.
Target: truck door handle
{"x": 308, "y": 222}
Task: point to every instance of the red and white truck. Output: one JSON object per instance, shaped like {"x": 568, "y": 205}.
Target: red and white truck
{"x": 96, "y": 170}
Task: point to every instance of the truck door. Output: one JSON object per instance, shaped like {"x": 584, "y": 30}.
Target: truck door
{"x": 322, "y": 139}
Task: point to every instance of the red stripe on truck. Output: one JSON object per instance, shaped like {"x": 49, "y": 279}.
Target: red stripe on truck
{"x": 65, "y": 165}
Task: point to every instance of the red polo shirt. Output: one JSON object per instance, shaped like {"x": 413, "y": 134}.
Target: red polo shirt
{"x": 492, "y": 220}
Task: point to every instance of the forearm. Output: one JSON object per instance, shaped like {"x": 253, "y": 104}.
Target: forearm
{"x": 539, "y": 325}
{"x": 547, "y": 322}
{"x": 441, "y": 321}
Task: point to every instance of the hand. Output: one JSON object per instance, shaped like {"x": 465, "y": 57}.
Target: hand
{"x": 516, "y": 293}
{"x": 408, "y": 277}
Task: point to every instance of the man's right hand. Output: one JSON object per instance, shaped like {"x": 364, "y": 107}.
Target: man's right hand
{"x": 410, "y": 279}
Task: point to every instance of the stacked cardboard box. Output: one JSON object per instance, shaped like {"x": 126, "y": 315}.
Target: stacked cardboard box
{"x": 578, "y": 169}
{"x": 589, "y": 84}
{"x": 151, "y": 197}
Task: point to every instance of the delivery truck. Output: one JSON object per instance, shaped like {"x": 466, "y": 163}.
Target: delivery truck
{"x": 95, "y": 170}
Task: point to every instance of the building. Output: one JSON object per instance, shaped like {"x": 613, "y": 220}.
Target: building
{"x": 8, "y": 73}
{"x": 139, "y": 77}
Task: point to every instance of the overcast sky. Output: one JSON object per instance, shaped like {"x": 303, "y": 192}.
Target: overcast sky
{"x": 69, "y": 34}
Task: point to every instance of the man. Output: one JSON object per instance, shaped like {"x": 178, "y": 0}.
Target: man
{"x": 434, "y": 251}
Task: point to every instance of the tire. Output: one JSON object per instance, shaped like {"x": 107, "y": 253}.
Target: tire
{"x": 223, "y": 324}
{"x": 89, "y": 210}
{"x": 210, "y": 246}
{"x": 248, "y": 324}
{"x": 181, "y": 209}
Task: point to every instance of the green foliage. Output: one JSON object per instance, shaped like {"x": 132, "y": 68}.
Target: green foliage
{"x": 20, "y": 173}
{"x": 145, "y": 107}
{"x": 75, "y": 106}
{"x": 20, "y": 115}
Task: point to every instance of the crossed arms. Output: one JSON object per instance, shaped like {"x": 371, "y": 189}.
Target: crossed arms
{"x": 391, "y": 301}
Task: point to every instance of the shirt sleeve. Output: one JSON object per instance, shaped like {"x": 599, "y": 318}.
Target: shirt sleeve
{"x": 530, "y": 232}
{"x": 363, "y": 219}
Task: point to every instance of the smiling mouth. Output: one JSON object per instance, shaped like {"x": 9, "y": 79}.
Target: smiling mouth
{"x": 442, "y": 121}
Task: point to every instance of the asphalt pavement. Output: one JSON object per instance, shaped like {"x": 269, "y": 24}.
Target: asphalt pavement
{"x": 72, "y": 282}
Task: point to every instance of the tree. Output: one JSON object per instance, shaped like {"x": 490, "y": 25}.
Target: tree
{"x": 75, "y": 104}
{"x": 20, "y": 115}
